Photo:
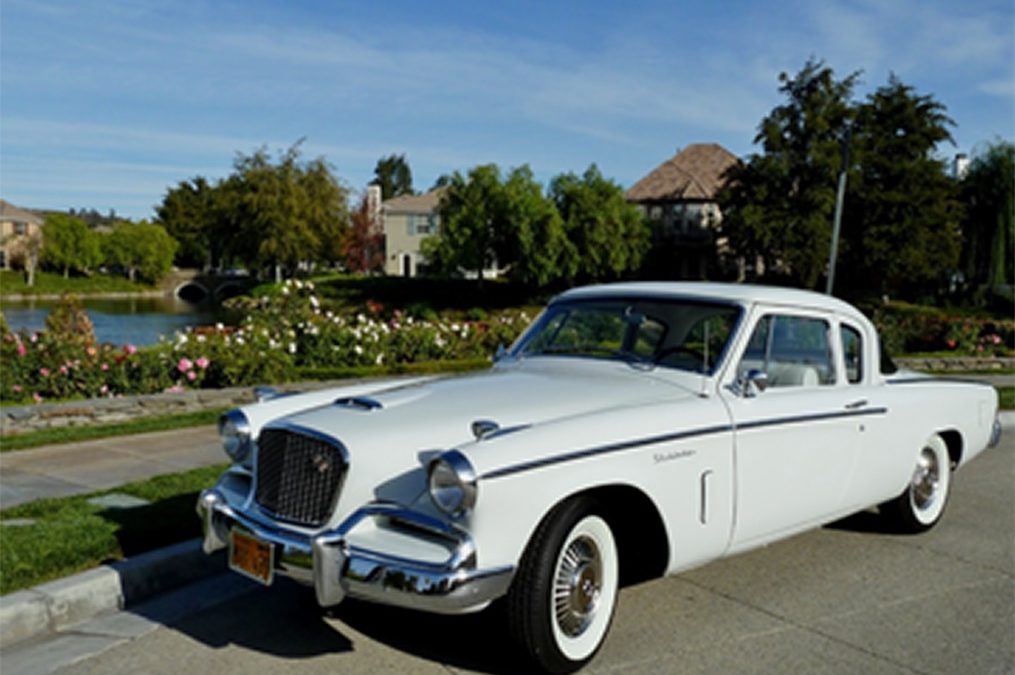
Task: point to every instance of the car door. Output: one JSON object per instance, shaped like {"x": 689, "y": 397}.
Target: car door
{"x": 796, "y": 439}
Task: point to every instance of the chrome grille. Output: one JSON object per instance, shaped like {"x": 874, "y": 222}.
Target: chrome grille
{"x": 298, "y": 476}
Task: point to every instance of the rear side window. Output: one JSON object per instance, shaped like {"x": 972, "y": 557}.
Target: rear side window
{"x": 792, "y": 350}
{"x": 852, "y": 352}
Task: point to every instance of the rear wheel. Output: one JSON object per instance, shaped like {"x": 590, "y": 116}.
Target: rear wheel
{"x": 922, "y": 503}
{"x": 561, "y": 602}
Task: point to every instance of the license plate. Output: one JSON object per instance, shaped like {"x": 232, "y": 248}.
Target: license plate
{"x": 252, "y": 557}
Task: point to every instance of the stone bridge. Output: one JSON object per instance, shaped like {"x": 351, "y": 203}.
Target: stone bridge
{"x": 196, "y": 286}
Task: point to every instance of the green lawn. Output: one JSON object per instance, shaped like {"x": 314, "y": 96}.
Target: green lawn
{"x": 1006, "y": 396}
{"x": 63, "y": 536}
{"x": 48, "y": 283}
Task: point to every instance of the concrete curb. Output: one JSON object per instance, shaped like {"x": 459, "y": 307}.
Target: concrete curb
{"x": 58, "y": 604}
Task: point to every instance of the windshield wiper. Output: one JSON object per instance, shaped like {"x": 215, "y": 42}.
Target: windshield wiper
{"x": 630, "y": 358}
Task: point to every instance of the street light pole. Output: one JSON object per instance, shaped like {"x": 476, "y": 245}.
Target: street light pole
{"x": 840, "y": 197}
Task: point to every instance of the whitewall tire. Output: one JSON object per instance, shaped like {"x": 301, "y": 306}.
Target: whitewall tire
{"x": 922, "y": 503}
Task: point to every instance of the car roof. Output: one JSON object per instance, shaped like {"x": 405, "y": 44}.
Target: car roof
{"x": 744, "y": 294}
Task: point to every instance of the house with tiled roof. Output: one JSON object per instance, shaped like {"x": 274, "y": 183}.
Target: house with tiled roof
{"x": 408, "y": 220}
{"x": 679, "y": 198}
{"x": 19, "y": 229}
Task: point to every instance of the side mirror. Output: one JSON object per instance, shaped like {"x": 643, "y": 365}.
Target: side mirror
{"x": 752, "y": 383}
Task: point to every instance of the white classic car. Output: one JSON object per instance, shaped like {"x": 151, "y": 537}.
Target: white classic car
{"x": 633, "y": 431}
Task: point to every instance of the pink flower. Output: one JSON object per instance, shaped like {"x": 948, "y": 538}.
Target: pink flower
{"x": 129, "y": 349}
{"x": 22, "y": 349}
{"x": 175, "y": 389}
{"x": 44, "y": 372}
{"x": 17, "y": 389}
{"x": 191, "y": 375}
{"x": 202, "y": 363}
{"x": 63, "y": 370}
{"x": 92, "y": 351}
{"x": 103, "y": 389}
{"x": 36, "y": 397}
{"x": 34, "y": 338}
{"x": 104, "y": 366}
{"x": 184, "y": 365}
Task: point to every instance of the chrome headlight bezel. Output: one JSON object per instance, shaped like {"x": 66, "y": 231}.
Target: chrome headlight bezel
{"x": 451, "y": 483}
{"x": 235, "y": 431}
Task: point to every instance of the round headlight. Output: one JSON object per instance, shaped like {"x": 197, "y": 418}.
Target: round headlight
{"x": 452, "y": 483}
{"x": 234, "y": 428}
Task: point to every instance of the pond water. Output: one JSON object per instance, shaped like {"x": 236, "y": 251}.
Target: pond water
{"x": 137, "y": 321}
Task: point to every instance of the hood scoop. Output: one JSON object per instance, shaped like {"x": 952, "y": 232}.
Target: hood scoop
{"x": 363, "y": 403}
{"x": 486, "y": 429}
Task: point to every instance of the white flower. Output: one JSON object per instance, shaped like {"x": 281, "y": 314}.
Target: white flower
{"x": 239, "y": 340}
{"x": 285, "y": 289}
{"x": 379, "y": 360}
{"x": 314, "y": 301}
{"x": 219, "y": 326}
{"x": 310, "y": 285}
{"x": 298, "y": 283}
{"x": 358, "y": 349}
{"x": 292, "y": 347}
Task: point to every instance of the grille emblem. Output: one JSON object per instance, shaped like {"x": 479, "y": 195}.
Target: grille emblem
{"x": 320, "y": 462}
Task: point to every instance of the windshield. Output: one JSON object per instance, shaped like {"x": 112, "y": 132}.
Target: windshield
{"x": 674, "y": 333}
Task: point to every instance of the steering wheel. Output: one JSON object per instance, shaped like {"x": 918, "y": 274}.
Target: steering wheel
{"x": 678, "y": 349}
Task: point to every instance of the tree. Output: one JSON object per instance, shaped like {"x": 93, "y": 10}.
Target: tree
{"x": 901, "y": 224}
{"x": 287, "y": 213}
{"x": 189, "y": 214}
{"x": 471, "y": 210}
{"x": 393, "y": 175}
{"x": 69, "y": 244}
{"x": 532, "y": 242}
{"x": 363, "y": 246}
{"x": 608, "y": 236}
{"x": 778, "y": 205}
{"x": 988, "y": 193}
{"x": 145, "y": 250}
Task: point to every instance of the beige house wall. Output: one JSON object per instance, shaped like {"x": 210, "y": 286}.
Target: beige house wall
{"x": 15, "y": 232}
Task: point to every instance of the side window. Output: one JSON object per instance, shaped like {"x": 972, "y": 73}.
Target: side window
{"x": 792, "y": 350}
{"x": 852, "y": 352}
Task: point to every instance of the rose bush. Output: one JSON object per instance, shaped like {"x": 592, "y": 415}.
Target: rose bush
{"x": 279, "y": 334}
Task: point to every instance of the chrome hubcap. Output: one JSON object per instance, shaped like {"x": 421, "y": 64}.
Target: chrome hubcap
{"x": 577, "y": 587}
{"x": 926, "y": 478}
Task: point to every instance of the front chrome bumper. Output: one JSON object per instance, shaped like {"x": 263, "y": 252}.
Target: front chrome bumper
{"x": 337, "y": 568}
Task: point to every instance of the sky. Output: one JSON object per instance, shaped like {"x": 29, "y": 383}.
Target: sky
{"x": 107, "y": 104}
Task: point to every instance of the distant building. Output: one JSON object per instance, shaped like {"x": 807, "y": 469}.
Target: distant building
{"x": 679, "y": 198}
{"x": 18, "y": 228}
{"x": 407, "y": 221}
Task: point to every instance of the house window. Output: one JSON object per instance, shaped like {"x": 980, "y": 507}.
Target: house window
{"x": 20, "y": 228}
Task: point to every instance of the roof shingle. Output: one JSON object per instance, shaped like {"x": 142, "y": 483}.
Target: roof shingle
{"x": 693, "y": 174}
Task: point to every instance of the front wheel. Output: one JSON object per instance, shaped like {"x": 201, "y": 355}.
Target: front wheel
{"x": 922, "y": 503}
{"x": 561, "y": 601}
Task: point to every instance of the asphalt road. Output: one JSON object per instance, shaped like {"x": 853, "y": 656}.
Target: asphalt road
{"x": 843, "y": 599}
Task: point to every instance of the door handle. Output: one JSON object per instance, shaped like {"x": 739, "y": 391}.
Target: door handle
{"x": 856, "y": 404}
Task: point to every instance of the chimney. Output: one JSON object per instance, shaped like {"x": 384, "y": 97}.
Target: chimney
{"x": 960, "y": 166}
{"x": 374, "y": 202}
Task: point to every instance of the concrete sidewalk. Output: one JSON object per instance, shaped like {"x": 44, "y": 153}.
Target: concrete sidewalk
{"x": 87, "y": 466}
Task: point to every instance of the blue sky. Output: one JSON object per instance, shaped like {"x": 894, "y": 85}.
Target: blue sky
{"x": 107, "y": 103}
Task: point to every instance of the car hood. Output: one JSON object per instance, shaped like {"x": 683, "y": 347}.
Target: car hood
{"x": 391, "y": 434}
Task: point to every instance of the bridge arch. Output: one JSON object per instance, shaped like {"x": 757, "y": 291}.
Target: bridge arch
{"x": 192, "y": 291}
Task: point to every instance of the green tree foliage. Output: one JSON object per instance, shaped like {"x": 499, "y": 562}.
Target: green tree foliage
{"x": 607, "y": 235}
{"x": 68, "y": 244}
{"x": 488, "y": 221}
{"x": 285, "y": 213}
{"x": 472, "y": 212}
{"x": 988, "y": 192}
{"x": 393, "y": 175}
{"x": 190, "y": 214}
{"x": 145, "y": 250}
{"x": 363, "y": 245}
{"x": 779, "y": 204}
{"x": 901, "y": 226}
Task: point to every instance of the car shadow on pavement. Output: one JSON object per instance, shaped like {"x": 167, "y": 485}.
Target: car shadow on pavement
{"x": 285, "y": 621}
{"x": 867, "y": 522}
{"x": 475, "y": 642}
